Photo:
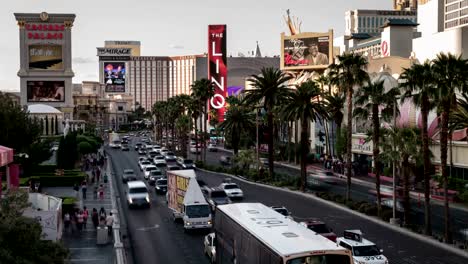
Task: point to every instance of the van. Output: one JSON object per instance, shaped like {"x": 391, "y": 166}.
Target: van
{"x": 137, "y": 194}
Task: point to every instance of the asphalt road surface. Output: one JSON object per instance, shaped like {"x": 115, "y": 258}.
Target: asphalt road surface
{"x": 155, "y": 238}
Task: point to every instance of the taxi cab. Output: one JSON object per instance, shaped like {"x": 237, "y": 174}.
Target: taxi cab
{"x": 363, "y": 250}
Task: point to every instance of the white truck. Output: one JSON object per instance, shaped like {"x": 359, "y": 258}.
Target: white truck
{"x": 186, "y": 200}
{"x": 114, "y": 140}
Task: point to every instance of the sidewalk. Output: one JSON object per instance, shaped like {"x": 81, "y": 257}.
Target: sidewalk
{"x": 83, "y": 248}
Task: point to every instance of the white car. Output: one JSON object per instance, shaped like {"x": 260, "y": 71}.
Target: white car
{"x": 170, "y": 157}
{"x": 160, "y": 161}
{"x": 210, "y": 248}
{"x": 212, "y": 147}
{"x": 363, "y": 250}
{"x": 143, "y": 164}
{"x": 232, "y": 190}
{"x": 147, "y": 170}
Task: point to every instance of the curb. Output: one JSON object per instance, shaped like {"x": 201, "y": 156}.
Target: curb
{"x": 426, "y": 239}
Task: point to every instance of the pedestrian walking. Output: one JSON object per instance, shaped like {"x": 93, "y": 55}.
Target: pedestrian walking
{"x": 84, "y": 188}
{"x": 102, "y": 216}
{"x": 79, "y": 221}
{"x": 98, "y": 174}
{"x": 76, "y": 188}
{"x": 95, "y": 192}
{"x": 101, "y": 192}
{"x": 95, "y": 217}
{"x": 85, "y": 216}
{"x": 66, "y": 221}
{"x": 109, "y": 223}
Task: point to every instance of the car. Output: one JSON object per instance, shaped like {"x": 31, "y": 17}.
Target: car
{"x": 201, "y": 183}
{"x": 136, "y": 147}
{"x": 225, "y": 160}
{"x": 161, "y": 185}
{"x": 163, "y": 151}
{"x": 232, "y": 190}
{"x": 128, "y": 175}
{"x": 185, "y": 163}
{"x": 215, "y": 196}
{"x": 143, "y": 164}
{"x": 195, "y": 150}
{"x": 319, "y": 227}
{"x": 142, "y": 152}
{"x": 389, "y": 203}
{"x": 170, "y": 157}
{"x": 152, "y": 154}
{"x": 326, "y": 177}
{"x": 210, "y": 247}
{"x": 264, "y": 161}
{"x": 159, "y": 161}
{"x": 172, "y": 167}
{"x": 363, "y": 250}
{"x": 155, "y": 175}
{"x": 282, "y": 210}
{"x": 137, "y": 194}
{"x": 147, "y": 170}
{"x": 115, "y": 145}
{"x": 212, "y": 147}
{"x": 125, "y": 147}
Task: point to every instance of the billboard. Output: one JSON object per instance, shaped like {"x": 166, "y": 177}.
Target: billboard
{"x": 217, "y": 67}
{"x": 46, "y": 91}
{"x": 306, "y": 51}
{"x": 45, "y": 57}
{"x": 114, "y": 77}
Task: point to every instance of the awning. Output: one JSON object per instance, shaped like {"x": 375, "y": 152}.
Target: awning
{"x": 6, "y": 156}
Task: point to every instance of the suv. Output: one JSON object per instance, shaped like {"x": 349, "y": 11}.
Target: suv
{"x": 161, "y": 185}
{"x": 320, "y": 228}
{"x": 185, "y": 163}
{"x": 363, "y": 250}
{"x": 137, "y": 194}
{"x": 147, "y": 171}
{"x": 128, "y": 175}
{"x": 155, "y": 175}
{"x": 215, "y": 197}
{"x": 159, "y": 161}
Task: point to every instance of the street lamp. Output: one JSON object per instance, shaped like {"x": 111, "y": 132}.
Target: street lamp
{"x": 394, "y": 219}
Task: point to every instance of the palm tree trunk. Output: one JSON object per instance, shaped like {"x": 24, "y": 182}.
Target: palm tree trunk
{"x": 327, "y": 139}
{"x": 376, "y": 150}
{"x": 427, "y": 165}
{"x": 304, "y": 150}
{"x": 196, "y": 137}
{"x": 271, "y": 165}
{"x": 443, "y": 163}
{"x": 349, "y": 137}
{"x": 332, "y": 147}
{"x": 406, "y": 198}
{"x": 206, "y": 131}
{"x": 235, "y": 142}
{"x": 289, "y": 140}
{"x": 337, "y": 136}
{"x": 296, "y": 139}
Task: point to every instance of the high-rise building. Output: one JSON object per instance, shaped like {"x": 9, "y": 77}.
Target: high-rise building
{"x": 455, "y": 13}
{"x": 135, "y": 46}
{"x": 405, "y": 4}
{"x": 371, "y": 21}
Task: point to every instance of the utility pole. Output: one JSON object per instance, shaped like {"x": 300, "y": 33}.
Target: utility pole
{"x": 394, "y": 220}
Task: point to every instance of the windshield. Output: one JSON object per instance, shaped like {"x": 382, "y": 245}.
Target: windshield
{"x": 138, "y": 190}
{"x": 321, "y": 259}
{"x": 366, "y": 251}
{"x": 156, "y": 173}
{"x": 320, "y": 228}
{"x": 145, "y": 162}
{"x": 187, "y": 161}
{"x": 170, "y": 154}
{"x": 150, "y": 168}
{"x": 196, "y": 211}
{"x": 161, "y": 182}
{"x": 159, "y": 157}
{"x": 231, "y": 186}
{"x": 218, "y": 194}
{"x": 282, "y": 211}
{"x": 128, "y": 172}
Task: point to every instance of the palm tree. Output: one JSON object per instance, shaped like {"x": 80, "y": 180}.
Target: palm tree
{"x": 269, "y": 89}
{"x": 418, "y": 85}
{"x": 335, "y": 106}
{"x": 348, "y": 74}
{"x": 304, "y": 104}
{"x": 450, "y": 75}
{"x": 407, "y": 151}
{"x": 372, "y": 100}
{"x": 158, "y": 111}
{"x": 183, "y": 127}
{"x": 238, "y": 120}
{"x": 458, "y": 119}
{"x": 202, "y": 91}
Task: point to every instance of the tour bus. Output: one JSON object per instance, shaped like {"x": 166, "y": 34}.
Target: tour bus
{"x": 254, "y": 233}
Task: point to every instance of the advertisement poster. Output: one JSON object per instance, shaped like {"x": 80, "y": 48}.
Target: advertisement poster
{"x": 114, "y": 77}
{"x": 46, "y": 91}
{"x": 45, "y": 57}
{"x": 217, "y": 67}
{"x": 306, "y": 51}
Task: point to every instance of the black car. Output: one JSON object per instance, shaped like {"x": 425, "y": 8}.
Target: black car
{"x": 215, "y": 196}
{"x": 125, "y": 148}
{"x": 161, "y": 186}
{"x": 142, "y": 152}
{"x": 154, "y": 176}
{"x": 172, "y": 168}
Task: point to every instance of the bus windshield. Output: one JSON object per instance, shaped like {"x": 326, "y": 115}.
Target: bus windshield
{"x": 196, "y": 211}
{"x": 321, "y": 259}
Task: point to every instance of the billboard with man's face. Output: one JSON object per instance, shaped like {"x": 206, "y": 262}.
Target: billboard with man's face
{"x": 45, "y": 57}
{"x": 46, "y": 91}
{"x": 306, "y": 51}
{"x": 114, "y": 77}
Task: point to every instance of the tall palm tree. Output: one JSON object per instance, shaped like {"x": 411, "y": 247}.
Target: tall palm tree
{"x": 203, "y": 90}
{"x": 372, "y": 101}
{"x": 418, "y": 85}
{"x": 304, "y": 104}
{"x": 335, "y": 106}
{"x": 183, "y": 126}
{"x": 347, "y": 75}
{"x": 269, "y": 89}
{"x": 238, "y": 120}
{"x": 158, "y": 111}
{"x": 458, "y": 119}
{"x": 450, "y": 75}
{"x": 324, "y": 80}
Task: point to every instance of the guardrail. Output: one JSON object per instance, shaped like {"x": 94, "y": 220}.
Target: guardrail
{"x": 120, "y": 256}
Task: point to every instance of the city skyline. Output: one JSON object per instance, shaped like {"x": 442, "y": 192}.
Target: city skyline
{"x": 162, "y": 35}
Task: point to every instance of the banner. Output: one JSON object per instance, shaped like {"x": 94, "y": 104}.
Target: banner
{"x": 114, "y": 77}
{"x": 217, "y": 67}
{"x": 45, "y": 91}
{"x": 45, "y": 57}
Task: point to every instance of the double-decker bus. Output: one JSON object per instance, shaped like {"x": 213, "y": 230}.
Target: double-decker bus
{"x": 254, "y": 233}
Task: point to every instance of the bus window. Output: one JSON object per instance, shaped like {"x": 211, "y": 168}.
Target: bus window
{"x": 321, "y": 259}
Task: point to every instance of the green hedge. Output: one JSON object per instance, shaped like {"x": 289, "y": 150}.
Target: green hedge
{"x": 68, "y": 203}
{"x": 45, "y": 169}
{"x": 59, "y": 181}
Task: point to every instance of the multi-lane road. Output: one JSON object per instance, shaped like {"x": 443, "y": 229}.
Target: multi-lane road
{"x": 155, "y": 238}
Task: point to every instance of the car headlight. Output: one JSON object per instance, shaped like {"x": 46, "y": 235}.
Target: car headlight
{"x": 187, "y": 223}
{"x": 130, "y": 200}
{"x": 147, "y": 198}
{"x": 209, "y": 222}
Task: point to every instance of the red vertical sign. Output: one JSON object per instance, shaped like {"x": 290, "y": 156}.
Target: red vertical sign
{"x": 217, "y": 67}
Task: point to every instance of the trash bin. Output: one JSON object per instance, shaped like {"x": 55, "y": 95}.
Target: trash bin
{"x": 102, "y": 237}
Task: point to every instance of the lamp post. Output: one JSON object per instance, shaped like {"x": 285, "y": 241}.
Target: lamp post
{"x": 394, "y": 220}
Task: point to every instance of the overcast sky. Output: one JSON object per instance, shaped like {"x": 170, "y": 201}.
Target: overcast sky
{"x": 170, "y": 27}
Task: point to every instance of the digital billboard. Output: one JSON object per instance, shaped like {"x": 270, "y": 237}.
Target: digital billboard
{"x": 217, "y": 67}
{"x": 114, "y": 77}
{"x": 306, "y": 51}
{"x": 45, "y": 57}
{"x": 46, "y": 91}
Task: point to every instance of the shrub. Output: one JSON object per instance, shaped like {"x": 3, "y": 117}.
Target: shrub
{"x": 68, "y": 203}
{"x": 386, "y": 214}
{"x": 55, "y": 181}
{"x": 463, "y": 197}
{"x": 340, "y": 199}
{"x": 45, "y": 169}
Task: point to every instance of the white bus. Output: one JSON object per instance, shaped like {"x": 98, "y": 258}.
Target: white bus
{"x": 249, "y": 233}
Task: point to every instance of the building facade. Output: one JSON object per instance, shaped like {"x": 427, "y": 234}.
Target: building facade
{"x": 405, "y": 4}
{"x": 455, "y": 13}
{"x": 371, "y": 21}
{"x": 45, "y": 60}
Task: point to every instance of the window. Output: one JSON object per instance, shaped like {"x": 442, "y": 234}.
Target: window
{"x": 464, "y": 3}
{"x": 120, "y": 108}
{"x": 464, "y": 21}
{"x": 451, "y": 16}
{"x": 451, "y": 7}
